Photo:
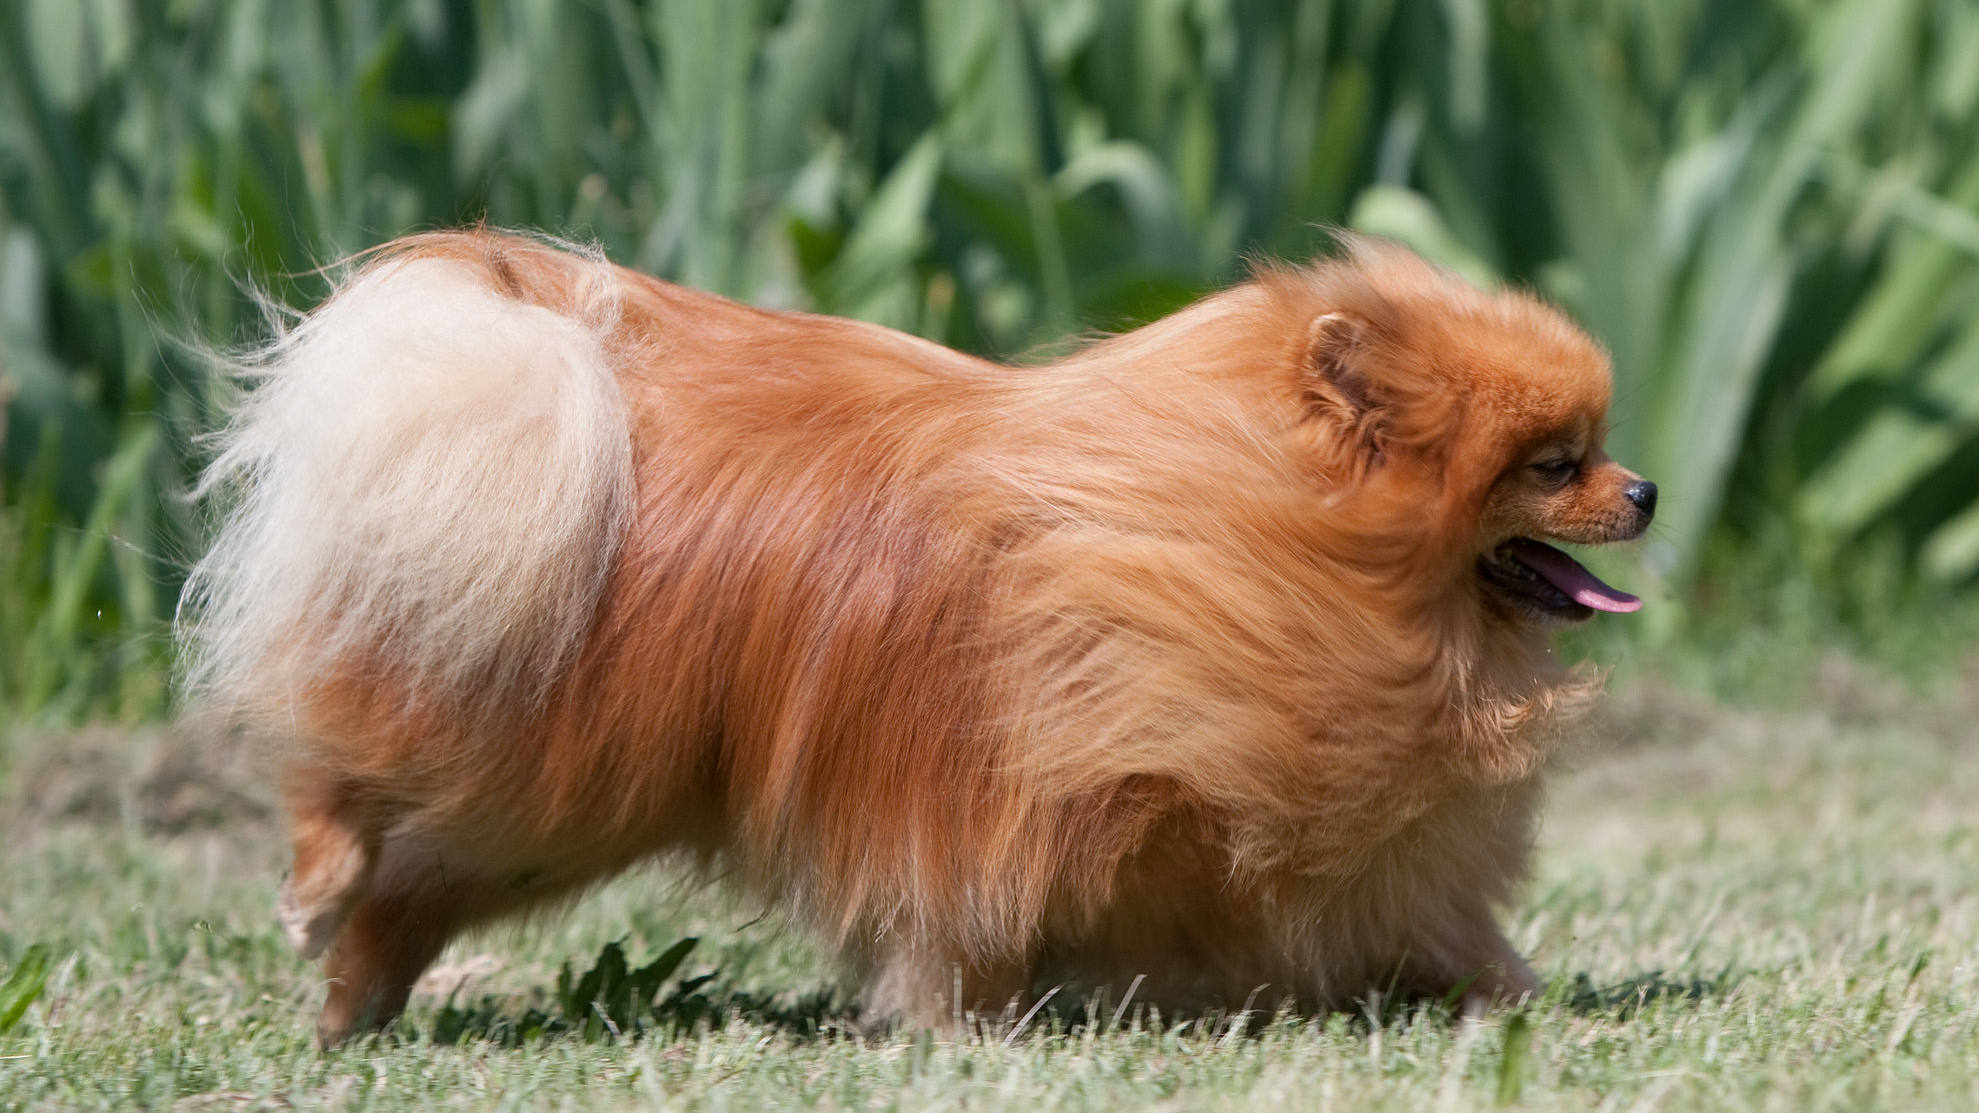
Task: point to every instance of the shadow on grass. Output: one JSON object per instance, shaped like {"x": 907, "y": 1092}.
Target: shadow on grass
{"x": 1620, "y": 1001}
{"x": 615, "y": 1001}
{"x": 1624, "y": 999}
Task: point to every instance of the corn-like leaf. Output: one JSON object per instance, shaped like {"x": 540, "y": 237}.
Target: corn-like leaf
{"x": 1768, "y": 214}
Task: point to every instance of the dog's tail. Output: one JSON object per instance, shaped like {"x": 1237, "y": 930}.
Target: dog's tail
{"x": 426, "y": 485}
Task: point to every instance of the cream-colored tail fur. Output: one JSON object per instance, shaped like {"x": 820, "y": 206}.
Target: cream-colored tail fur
{"x": 430, "y": 476}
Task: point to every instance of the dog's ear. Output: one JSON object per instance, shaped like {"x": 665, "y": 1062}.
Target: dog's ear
{"x": 1336, "y": 389}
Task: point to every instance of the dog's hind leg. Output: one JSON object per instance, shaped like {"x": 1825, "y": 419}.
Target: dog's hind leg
{"x": 378, "y": 956}
{"x": 335, "y": 854}
{"x": 413, "y": 908}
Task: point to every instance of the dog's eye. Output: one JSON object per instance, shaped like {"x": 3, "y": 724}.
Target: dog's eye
{"x": 1558, "y": 471}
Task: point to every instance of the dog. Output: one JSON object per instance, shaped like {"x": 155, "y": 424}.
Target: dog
{"x": 1209, "y": 660}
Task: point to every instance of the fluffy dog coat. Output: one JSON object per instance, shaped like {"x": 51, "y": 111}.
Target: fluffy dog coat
{"x": 1176, "y": 658}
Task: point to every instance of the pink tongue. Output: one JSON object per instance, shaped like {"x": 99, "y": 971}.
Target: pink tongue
{"x": 1565, "y": 573}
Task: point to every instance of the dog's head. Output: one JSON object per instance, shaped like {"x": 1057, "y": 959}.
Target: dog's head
{"x": 1479, "y": 418}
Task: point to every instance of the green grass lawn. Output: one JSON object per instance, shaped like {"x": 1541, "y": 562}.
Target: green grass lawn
{"x": 1740, "y": 910}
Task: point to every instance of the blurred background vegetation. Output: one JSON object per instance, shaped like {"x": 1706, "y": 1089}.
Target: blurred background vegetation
{"x": 1769, "y": 211}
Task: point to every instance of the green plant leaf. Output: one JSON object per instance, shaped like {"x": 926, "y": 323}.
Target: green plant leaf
{"x": 23, "y": 986}
{"x": 1517, "y": 1048}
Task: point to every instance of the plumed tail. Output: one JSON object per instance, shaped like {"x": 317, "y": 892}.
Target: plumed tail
{"x": 426, "y": 483}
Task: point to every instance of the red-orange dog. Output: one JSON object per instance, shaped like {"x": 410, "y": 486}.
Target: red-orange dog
{"x": 1214, "y": 654}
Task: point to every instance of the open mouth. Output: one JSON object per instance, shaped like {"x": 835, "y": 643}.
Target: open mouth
{"x": 1547, "y": 582}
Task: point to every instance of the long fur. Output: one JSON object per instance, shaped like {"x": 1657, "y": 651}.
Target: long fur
{"x": 444, "y": 488}
{"x": 1166, "y": 659}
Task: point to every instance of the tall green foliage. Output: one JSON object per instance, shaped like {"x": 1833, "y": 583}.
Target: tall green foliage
{"x": 1767, "y": 212}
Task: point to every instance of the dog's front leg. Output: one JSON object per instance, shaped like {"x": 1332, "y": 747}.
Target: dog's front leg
{"x": 1473, "y": 954}
{"x": 921, "y": 985}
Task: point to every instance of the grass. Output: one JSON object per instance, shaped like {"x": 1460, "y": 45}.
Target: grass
{"x": 1740, "y": 910}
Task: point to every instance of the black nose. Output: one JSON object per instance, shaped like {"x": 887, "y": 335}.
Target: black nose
{"x": 1643, "y": 494}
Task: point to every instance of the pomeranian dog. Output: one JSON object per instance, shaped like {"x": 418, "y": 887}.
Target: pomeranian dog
{"x": 1211, "y": 660}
